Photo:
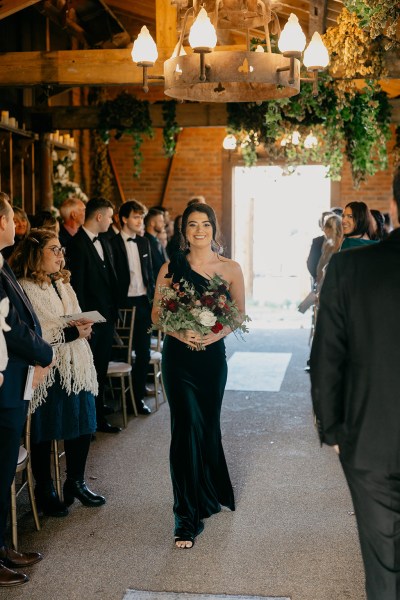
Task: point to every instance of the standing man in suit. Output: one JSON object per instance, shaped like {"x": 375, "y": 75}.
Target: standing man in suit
{"x": 25, "y": 347}
{"x": 355, "y": 360}
{"x": 95, "y": 283}
{"x": 154, "y": 224}
{"x": 72, "y": 212}
{"x": 136, "y": 285}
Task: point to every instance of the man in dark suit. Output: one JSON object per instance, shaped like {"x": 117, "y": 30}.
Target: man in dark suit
{"x": 25, "y": 347}
{"x": 136, "y": 286}
{"x": 355, "y": 359}
{"x": 154, "y": 224}
{"x": 72, "y": 212}
{"x": 95, "y": 283}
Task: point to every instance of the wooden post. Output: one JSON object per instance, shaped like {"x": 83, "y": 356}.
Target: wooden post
{"x": 166, "y": 16}
{"x": 46, "y": 173}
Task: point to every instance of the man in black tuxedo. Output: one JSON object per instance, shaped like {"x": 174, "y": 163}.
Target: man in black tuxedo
{"x": 95, "y": 283}
{"x": 136, "y": 286}
{"x": 72, "y": 212}
{"x": 25, "y": 347}
{"x": 355, "y": 359}
{"x": 154, "y": 224}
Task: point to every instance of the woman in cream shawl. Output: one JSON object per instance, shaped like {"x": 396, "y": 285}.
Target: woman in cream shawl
{"x": 63, "y": 405}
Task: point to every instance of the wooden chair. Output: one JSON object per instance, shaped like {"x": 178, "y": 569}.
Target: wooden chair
{"x": 23, "y": 465}
{"x": 122, "y": 370}
{"x": 57, "y": 454}
{"x": 155, "y": 362}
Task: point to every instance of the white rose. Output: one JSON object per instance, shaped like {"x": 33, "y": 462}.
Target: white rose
{"x": 207, "y": 318}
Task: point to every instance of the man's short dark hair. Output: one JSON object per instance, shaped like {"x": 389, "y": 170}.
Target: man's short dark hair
{"x": 396, "y": 189}
{"x": 131, "y": 206}
{"x": 96, "y": 204}
{"x": 152, "y": 213}
{"x": 4, "y": 204}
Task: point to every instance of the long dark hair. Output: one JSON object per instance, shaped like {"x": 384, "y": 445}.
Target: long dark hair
{"x": 207, "y": 210}
{"x": 362, "y": 219}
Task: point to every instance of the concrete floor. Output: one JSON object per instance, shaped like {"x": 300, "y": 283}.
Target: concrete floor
{"x": 293, "y": 533}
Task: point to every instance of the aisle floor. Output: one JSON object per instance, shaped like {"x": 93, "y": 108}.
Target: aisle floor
{"x": 292, "y": 535}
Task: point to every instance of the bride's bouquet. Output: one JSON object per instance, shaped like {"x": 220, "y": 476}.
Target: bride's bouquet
{"x": 182, "y": 307}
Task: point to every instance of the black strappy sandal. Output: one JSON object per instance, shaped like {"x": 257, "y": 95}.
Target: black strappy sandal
{"x": 184, "y": 539}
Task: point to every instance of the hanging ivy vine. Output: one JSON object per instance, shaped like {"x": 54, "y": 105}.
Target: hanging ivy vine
{"x": 347, "y": 121}
{"x": 126, "y": 115}
{"x": 171, "y": 127}
{"x": 380, "y": 17}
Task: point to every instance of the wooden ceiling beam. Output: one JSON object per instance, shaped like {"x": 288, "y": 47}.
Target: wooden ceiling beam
{"x": 317, "y": 17}
{"x": 145, "y": 9}
{"x": 9, "y": 7}
{"x": 191, "y": 114}
{"x": 166, "y": 34}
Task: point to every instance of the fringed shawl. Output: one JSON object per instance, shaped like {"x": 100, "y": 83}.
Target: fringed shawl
{"x": 72, "y": 360}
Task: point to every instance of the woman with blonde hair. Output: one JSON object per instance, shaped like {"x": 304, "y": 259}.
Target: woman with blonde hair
{"x": 333, "y": 232}
{"x": 63, "y": 406}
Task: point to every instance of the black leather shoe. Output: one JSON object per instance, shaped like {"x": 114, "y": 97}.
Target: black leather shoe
{"x": 48, "y": 501}
{"x": 9, "y": 578}
{"x": 142, "y": 408}
{"x": 79, "y": 490}
{"x": 12, "y": 559}
{"x": 105, "y": 427}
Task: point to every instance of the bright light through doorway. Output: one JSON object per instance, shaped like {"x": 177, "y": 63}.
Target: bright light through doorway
{"x": 275, "y": 218}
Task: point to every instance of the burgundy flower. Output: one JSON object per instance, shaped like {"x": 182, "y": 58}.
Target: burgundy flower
{"x": 172, "y": 306}
{"x": 207, "y": 301}
{"x": 217, "y": 327}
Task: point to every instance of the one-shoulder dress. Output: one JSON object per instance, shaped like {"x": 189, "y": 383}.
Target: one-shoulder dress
{"x": 195, "y": 383}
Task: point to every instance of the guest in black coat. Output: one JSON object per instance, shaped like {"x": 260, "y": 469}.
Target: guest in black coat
{"x": 95, "y": 283}
{"x": 72, "y": 212}
{"x": 355, "y": 360}
{"x": 25, "y": 347}
{"x": 154, "y": 224}
{"x": 133, "y": 265}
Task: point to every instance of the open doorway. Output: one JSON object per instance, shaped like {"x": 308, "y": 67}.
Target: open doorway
{"x": 275, "y": 218}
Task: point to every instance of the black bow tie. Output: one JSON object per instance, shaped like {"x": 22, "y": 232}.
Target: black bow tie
{"x": 95, "y": 239}
{"x": 132, "y": 240}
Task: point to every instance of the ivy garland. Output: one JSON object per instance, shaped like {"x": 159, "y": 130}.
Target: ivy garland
{"x": 171, "y": 127}
{"x": 127, "y": 114}
{"x": 380, "y": 17}
{"x": 347, "y": 121}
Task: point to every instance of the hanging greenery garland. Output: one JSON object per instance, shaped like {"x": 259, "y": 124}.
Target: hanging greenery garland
{"x": 380, "y": 17}
{"x": 171, "y": 127}
{"x": 347, "y": 121}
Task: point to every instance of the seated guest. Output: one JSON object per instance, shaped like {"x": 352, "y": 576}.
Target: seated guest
{"x": 95, "y": 283}
{"x": 72, "y": 212}
{"x": 154, "y": 224}
{"x": 25, "y": 347}
{"x": 168, "y": 225}
{"x": 132, "y": 258}
{"x": 196, "y": 200}
{"x": 22, "y": 228}
{"x": 357, "y": 226}
{"x": 63, "y": 406}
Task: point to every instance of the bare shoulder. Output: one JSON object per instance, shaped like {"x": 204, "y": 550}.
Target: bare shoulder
{"x": 229, "y": 269}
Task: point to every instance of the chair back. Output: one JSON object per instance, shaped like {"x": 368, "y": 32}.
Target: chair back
{"x": 123, "y": 335}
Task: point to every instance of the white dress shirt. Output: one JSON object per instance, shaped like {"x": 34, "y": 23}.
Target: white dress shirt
{"x": 96, "y": 244}
{"x": 136, "y": 285}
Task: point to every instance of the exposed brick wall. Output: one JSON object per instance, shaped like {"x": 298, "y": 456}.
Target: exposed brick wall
{"x": 197, "y": 169}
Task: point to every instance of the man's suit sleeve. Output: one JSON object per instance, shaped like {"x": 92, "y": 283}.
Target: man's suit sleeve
{"x": 22, "y": 341}
{"x": 329, "y": 353}
{"x": 150, "y": 274}
{"x": 76, "y": 264}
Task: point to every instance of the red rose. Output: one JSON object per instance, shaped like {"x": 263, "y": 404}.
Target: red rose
{"x": 217, "y": 327}
{"x": 207, "y": 301}
{"x": 172, "y": 306}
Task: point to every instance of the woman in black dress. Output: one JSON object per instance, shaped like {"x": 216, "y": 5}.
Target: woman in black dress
{"x": 195, "y": 382}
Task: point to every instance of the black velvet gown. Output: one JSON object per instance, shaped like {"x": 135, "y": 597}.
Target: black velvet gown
{"x": 195, "y": 383}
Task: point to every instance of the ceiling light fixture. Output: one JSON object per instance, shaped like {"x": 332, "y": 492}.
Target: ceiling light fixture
{"x": 206, "y": 75}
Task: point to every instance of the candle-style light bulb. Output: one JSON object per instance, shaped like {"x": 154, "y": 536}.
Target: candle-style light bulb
{"x": 292, "y": 38}
{"x": 202, "y": 33}
{"x": 316, "y": 55}
{"x": 144, "y": 48}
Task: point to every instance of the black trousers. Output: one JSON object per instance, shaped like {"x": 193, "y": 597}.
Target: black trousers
{"x": 376, "y": 500}
{"x": 76, "y": 452}
{"x": 101, "y": 343}
{"x": 141, "y": 343}
{"x": 12, "y": 421}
